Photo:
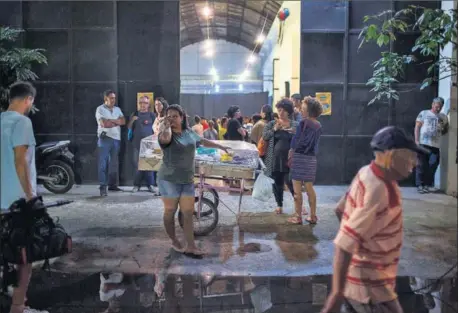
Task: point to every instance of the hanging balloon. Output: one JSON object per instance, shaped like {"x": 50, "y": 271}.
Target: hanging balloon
{"x": 281, "y": 15}
{"x": 286, "y": 12}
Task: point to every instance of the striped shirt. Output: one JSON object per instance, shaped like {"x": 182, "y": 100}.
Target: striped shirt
{"x": 372, "y": 231}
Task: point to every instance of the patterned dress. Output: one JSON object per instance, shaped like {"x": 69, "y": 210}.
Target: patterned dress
{"x": 305, "y": 146}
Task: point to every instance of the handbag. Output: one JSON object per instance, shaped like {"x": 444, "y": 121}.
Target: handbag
{"x": 289, "y": 161}
{"x": 262, "y": 146}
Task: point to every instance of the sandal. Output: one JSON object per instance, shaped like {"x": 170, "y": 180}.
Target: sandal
{"x": 295, "y": 220}
{"x": 279, "y": 211}
{"x": 311, "y": 220}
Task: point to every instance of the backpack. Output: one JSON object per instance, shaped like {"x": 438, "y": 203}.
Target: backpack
{"x": 29, "y": 234}
{"x": 131, "y": 131}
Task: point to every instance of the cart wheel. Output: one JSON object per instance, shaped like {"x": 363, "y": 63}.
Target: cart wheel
{"x": 209, "y": 193}
{"x": 208, "y": 220}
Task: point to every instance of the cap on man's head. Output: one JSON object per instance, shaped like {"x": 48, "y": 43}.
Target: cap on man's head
{"x": 296, "y": 96}
{"x": 391, "y": 137}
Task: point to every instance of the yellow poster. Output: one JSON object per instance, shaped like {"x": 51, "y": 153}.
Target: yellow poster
{"x": 150, "y": 96}
{"x": 325, "y": 99}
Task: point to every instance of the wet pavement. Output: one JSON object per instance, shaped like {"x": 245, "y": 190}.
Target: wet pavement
{"x": 255, "y": 264}
{"x": 123, "y": 233}
{"x": 206, "y": 293}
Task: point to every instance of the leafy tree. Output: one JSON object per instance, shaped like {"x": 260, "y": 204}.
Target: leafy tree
{"x": 436, "y": 28}
{"x": 15, "y": 63}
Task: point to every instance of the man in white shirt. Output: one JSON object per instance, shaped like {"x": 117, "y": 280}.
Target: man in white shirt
{"x": 109, "y": 121}
{"x": 430, "y": 126}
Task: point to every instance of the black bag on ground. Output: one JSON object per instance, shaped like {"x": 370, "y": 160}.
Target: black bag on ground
{"x": 28, "y": 234}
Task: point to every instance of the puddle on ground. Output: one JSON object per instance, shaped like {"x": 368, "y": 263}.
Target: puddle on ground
{"x": 75, "y": 293}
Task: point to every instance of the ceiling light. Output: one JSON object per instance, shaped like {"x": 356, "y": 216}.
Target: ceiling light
{"x": 206, "y": 11}
{"x": 251, "y": 59}
{"x": 260, "y": 38}
{"x": 213, "y": 71}
{"x": 208, "y": 44}
{"x": 209, "y": 53}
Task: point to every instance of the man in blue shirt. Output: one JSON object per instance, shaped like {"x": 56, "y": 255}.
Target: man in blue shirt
{"x": 18, "y": 172}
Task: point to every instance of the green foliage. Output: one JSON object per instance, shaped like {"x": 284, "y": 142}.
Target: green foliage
{"x": 15, "y": 63}
{"x": 436, "y": 29}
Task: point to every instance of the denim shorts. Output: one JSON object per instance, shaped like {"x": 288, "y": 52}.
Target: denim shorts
{"x": 175, "y": 191}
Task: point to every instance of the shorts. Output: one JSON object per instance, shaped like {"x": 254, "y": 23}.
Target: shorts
{"x": 171, "y": 190}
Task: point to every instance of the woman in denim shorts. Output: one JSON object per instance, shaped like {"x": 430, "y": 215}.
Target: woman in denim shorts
{"x": 176, "y": 175}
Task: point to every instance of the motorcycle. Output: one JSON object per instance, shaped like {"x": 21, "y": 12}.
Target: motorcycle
{"x": 55, "y": 163}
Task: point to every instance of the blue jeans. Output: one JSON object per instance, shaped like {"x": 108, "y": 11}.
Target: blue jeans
{"x": 141, "y": 176}
{"x": 109, "y": 149}
{"x": 427, "y": 166}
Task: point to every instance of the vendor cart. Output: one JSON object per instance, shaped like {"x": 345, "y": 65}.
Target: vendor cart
{"x": 240, "y": 165}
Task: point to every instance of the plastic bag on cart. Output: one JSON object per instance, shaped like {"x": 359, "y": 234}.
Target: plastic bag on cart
{"x": 263, "y": 188}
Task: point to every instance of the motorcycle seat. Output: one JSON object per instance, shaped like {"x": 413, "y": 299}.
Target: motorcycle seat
{"x": 47, "y": 145}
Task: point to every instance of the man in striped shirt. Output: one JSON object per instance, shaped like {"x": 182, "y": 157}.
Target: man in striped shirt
{"x": 369, "y": 240}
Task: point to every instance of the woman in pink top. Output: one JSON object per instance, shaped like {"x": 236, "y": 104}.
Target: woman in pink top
{"x": 161, "y": 105}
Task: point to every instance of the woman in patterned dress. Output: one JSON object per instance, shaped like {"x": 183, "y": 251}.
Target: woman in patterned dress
{"x": 303, "y": 152}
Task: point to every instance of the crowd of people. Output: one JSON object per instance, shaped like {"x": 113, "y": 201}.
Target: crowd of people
{"x": 369, "y": 240}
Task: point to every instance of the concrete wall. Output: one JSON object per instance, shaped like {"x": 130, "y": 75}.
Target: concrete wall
{"x": 286, "y": 50}
{"x": 93, "y": 46}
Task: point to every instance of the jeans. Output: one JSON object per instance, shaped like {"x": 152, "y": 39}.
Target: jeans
{"x": 427, "y": 166}
{"x": 109, "y": 149}
{"x": 281, "y": 179}
{"x": 147, "y": 177}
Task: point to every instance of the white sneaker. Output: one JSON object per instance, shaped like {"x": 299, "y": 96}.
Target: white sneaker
{"x": 30, "y": 310}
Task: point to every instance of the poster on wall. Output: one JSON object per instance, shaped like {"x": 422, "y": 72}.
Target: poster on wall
{"x": 325, "y": 99}
{"x": 150, "y": 96}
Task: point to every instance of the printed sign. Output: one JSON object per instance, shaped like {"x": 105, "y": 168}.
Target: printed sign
{"x": 150, "y": 96}
{"x": 325, "y": 99}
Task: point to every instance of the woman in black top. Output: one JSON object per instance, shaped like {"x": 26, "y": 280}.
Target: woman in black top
{"x": 279, "y": 135}
{"x": 235, "y": 131}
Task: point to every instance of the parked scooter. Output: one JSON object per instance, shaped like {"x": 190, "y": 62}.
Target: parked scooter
{"x": 55, "y": 164}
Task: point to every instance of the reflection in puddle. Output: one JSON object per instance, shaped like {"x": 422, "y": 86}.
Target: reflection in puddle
{"x": 117, "y": 293}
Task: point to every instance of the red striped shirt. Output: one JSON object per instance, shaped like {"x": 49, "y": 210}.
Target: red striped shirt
{"x": 372, "y": 231}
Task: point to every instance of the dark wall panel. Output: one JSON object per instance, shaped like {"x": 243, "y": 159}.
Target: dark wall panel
{"x": 55, "y": 115}
{"x": 330, "y": 163}
{"x": 93, "y": 13}
{"x": 358, "y": 154}
{"x": 332, "y": 124}
{"x": 126, "y": 46}
{"x": 323, "y": 15}
{"x": 46, "y": 14}
{"x": 86, "y": 98}
{"x": 94, "y": 55}
{"x": 359, "y": 9}
{"x": 360, "y": 60}
{"x": 364, "y": 119}
{"x": 10, "y": 13}
{"x": 332, "y": 61}
{"x": 56, "y": 45}
{"x": 322, "y": 57}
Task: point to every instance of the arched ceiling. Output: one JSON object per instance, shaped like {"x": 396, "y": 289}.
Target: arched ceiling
{"x": 237, "y": 21}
